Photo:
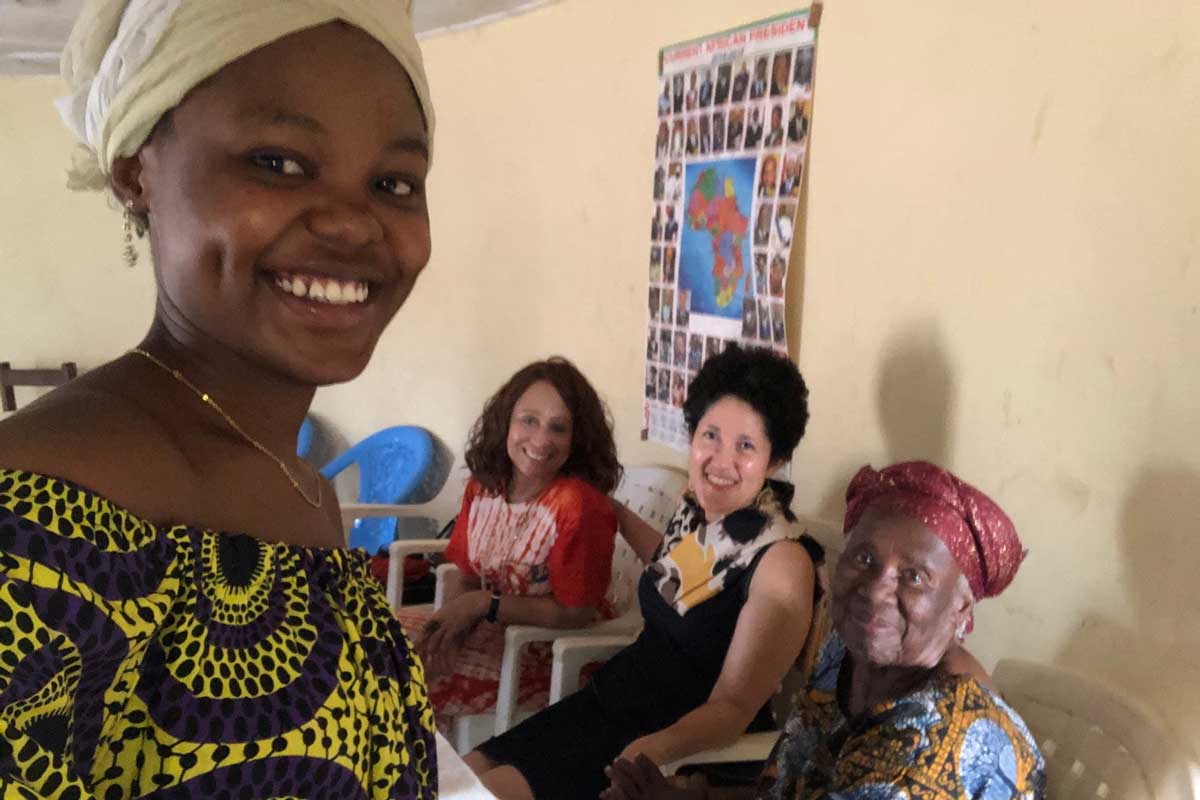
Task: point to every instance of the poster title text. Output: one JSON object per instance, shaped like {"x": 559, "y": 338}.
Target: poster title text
{"x": 762, "y": 33}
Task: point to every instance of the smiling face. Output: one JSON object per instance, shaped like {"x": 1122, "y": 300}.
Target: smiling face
{"x": 730, "y": 457}
{"x": 898, "y": 595}
{"x": 539, "y": 438}
{"x": 286, "y": 204}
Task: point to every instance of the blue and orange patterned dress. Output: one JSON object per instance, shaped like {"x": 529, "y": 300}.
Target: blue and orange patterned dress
{"x": 953, "y": 739}
{"x": 172, "y": 662}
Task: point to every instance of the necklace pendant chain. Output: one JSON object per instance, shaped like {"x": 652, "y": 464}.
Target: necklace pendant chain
{"x": 207, "y": 400}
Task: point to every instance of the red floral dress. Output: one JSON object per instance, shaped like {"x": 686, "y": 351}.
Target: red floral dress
{"x": 559, "y": 545}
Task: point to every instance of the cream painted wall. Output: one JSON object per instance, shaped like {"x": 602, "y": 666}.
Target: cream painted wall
{"x": 1000, "y": 274}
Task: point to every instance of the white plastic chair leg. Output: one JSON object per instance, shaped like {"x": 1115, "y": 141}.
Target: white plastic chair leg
{"x": 510, "y": 674}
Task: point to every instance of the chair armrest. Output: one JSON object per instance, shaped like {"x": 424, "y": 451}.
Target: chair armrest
{"x": 353, "y": 511}
{"x": 439, "y": 588}
{"x": 517, "y": 636}
{"x": 571, "y": 653}
{"x": 750, "y": 747}
{"x": 408, "y": 547}
{"x": 397, "y": 552}
{"x": 627, "y": 626}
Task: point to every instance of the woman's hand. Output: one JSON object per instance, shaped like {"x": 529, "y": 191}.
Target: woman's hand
{"x": 650, "y": 746}
{"x": 641, "y": 779}
{"x": 445, "y": 631}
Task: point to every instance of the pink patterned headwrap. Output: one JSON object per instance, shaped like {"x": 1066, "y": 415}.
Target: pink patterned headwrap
{"x": 979, "y": 535}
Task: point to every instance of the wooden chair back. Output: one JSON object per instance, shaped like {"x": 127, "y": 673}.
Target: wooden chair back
{"x": 11, "y": 378}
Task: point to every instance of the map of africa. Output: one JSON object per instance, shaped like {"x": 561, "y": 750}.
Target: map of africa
{"x": 715, "y": 249}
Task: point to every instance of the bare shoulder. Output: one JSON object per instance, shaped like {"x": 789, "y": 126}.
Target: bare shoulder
{"x": 90, "y": 436}
{"x": 785, "y": 573}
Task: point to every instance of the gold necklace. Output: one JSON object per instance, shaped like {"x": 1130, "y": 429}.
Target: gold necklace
{"x": 208, "y": 401}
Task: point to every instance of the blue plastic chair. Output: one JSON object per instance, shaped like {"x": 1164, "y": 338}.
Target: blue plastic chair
{"x": 305, "y": 438}
{"x": 391, "y": 464}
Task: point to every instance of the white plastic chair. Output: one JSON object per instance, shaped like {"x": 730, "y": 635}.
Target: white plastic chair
{"x": 571, "y": 654}
{"x": 1097, "y": 743}
{"x": 652, "y": 492}
{"x": 352, "y": 512}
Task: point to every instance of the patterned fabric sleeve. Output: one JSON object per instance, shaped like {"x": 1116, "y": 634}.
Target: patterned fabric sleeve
{"x": 947, "y": 740}
{"x": 878, "y": 765}
{"x": 869, "y": 793}
{"x": 11, "y": 791}
{"x": 457, "y": 551}
{"x": 77, "y": 605}
{"x": 581, "y": 559}
{"x": 29, "y": 768}
{"x": 140, "y": 660}
{"x": 944, "y": 743}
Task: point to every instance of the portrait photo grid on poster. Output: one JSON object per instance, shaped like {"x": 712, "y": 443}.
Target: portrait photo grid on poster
{"x": 734, "y": 113}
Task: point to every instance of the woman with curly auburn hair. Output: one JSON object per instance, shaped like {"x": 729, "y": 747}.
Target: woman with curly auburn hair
{"x": 591, "y": 455}
{"x": 534, "y": 539}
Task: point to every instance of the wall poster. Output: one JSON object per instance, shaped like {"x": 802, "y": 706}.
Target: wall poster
{"x": 730, "y": 151}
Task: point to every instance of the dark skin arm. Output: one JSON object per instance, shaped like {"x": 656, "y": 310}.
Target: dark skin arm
{"x": 132, "y": 434}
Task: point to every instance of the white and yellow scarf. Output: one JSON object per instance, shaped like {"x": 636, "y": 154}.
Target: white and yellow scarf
{"x": 696, "y": 559}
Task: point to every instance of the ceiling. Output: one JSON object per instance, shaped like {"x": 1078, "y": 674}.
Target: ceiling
{"x": 32, "y": 32}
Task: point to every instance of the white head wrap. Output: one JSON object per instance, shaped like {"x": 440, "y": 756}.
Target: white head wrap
{"x": 128, "y": 62}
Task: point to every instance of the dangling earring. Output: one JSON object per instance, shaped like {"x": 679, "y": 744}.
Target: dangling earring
{"x": 961, "y": 633}
{"x": 133, "y": 227}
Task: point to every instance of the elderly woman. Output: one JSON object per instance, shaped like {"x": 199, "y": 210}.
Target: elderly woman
{"x": 533, "y": 542}
{"x": 727, "y": 598}
{"x": 897, "y": 709}
{"x": 177, "y": 614}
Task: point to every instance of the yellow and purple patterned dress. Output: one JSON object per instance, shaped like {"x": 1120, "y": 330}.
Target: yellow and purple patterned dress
{"x": 950, "y": 740}
{"x": 171, "y": 662}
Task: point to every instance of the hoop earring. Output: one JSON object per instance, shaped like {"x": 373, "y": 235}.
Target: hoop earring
{"x": 132, "y": 226}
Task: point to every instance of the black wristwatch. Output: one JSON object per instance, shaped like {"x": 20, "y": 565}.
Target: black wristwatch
{"x": 493, "y": 607}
